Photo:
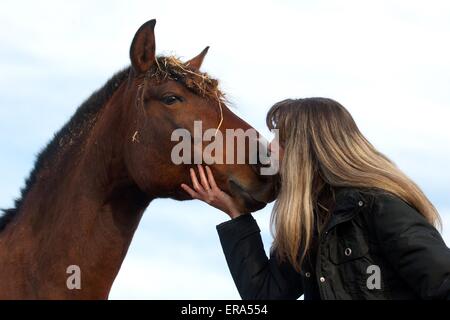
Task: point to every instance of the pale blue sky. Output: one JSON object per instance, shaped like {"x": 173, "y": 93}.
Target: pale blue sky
{"x": 386, "y": 61}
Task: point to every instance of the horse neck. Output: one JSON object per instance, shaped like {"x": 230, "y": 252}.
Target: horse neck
{"x": 82, "y": 212}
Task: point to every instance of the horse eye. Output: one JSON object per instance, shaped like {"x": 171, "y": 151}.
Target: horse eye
{"x": 169, "y": 100}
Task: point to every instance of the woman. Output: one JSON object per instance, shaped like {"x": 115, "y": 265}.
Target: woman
{"x": 347, "y": 223}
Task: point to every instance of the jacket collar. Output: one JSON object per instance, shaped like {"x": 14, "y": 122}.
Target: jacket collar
{"x": 349, "y": 202}
{"x": 347, "y": 199}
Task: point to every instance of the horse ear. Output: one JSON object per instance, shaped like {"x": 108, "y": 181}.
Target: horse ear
{"x": 142, "y": 51}
{"x": 197, "y": 61}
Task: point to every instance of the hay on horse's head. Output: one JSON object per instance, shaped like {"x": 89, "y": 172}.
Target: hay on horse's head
{"x": 172, "y": 68}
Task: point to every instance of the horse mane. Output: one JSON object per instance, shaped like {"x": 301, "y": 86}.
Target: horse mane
{"x": 165, "y": 68}
{"x": 78, "y": 123}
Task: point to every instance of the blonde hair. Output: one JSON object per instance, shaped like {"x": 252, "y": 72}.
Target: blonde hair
{"x": 323, "y": 147}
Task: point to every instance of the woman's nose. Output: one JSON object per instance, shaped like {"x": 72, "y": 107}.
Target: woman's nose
{"x": 272, "y": 146}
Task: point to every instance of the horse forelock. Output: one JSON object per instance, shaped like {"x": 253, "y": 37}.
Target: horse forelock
{"x": 172, "y": 68}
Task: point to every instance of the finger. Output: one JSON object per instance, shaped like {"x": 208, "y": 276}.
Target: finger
{"x": 212, "y": 181}
{"x": 189, "y": 190}
{"x": 203, "y": 179}
{"x": 197, "y": 186}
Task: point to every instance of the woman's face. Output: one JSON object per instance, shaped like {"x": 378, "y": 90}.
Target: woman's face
{"x": 276, "y": 150}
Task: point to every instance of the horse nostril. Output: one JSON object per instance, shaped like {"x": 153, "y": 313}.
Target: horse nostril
{"x": 256, "y": 167}
{"x": 262, "y": 155}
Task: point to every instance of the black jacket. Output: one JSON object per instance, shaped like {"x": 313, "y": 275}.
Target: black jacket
{"x": 374, "y": 246}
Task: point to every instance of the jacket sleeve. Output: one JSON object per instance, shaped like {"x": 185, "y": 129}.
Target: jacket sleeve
{"x": 256, "y": 276}
{"x": 413, "y": 247}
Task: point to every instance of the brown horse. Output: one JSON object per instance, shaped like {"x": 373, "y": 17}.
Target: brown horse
{"x": 90, "y": 186}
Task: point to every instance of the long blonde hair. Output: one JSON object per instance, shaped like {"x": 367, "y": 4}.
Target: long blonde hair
{"x": 324, "y": 147}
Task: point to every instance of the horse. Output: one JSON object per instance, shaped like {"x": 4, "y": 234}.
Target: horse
{"x": 90, "y": 185}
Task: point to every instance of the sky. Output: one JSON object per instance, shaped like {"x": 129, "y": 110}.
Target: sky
{"x": 385, "y": 61}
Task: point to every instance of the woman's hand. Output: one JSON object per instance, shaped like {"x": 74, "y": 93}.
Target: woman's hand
{"x": 208, "y": 192}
